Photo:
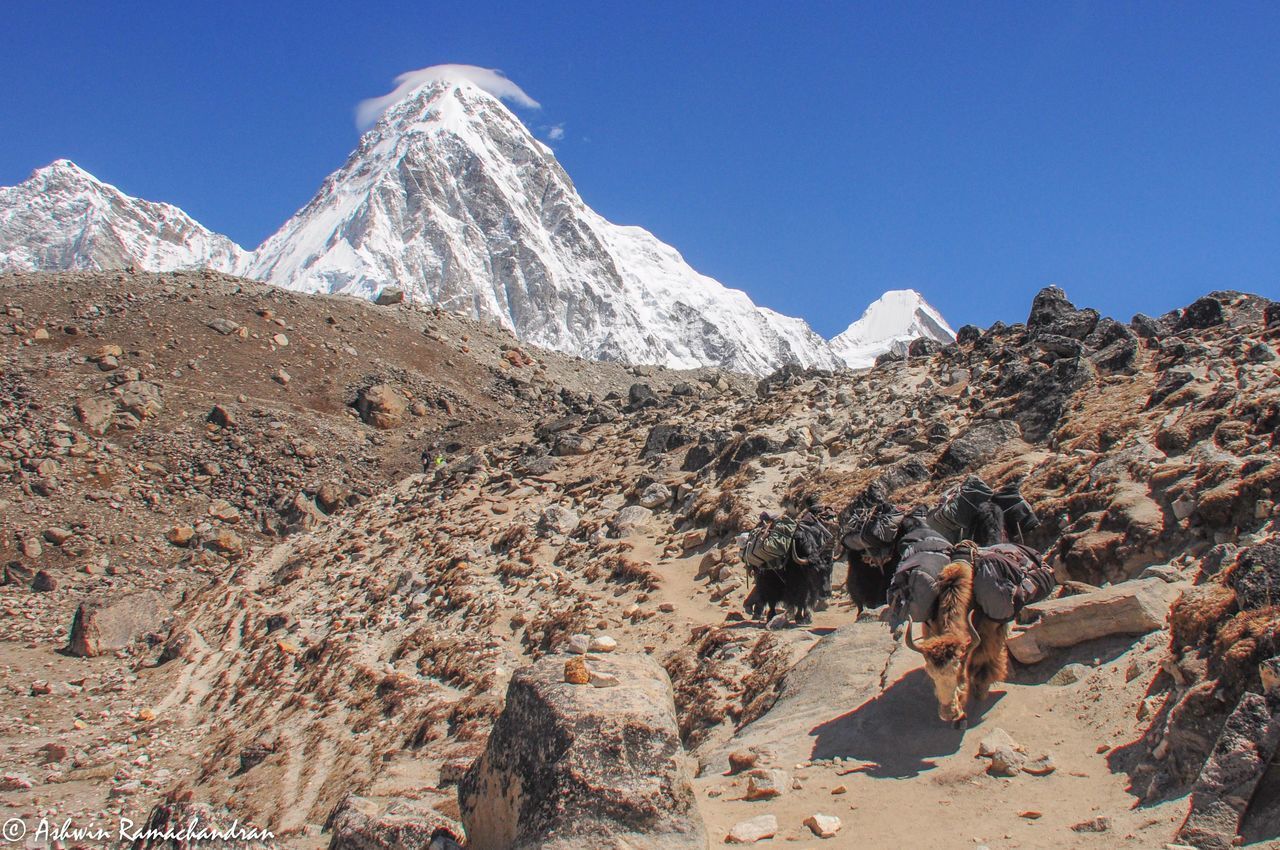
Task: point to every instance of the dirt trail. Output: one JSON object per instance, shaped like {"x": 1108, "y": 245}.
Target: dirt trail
{"x": 911, "y": 780}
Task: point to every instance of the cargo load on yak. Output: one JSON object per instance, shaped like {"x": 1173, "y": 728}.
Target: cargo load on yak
{"x": 922, "y": 554}
{"x": 871, "y": 531}
{"x": 768, "y": 545}
{"x": 1007, "y": 577}
{"x": 973, "y": 511}
{"x": 958, "y": 511}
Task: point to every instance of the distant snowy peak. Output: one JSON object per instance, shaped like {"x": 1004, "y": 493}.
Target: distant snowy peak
{"x": 890, "y": 324}
{"x": 450, "y": 198}
{"x": 63, "y": 218}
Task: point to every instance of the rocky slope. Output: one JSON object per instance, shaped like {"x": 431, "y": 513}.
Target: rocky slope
{"x": 371, "y": 654}
{"x": 63, "y": 219}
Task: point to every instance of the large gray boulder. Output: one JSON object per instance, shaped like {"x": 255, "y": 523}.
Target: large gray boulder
{"x": 101, "y": 626}
{"x": 570, "y": 766}
{"x": 1128, "y": 608}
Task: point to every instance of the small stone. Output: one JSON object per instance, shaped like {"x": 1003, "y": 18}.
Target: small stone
{"x": 15, "y": 782}
{"x": 996, "y": 739}
{"x": 1031, "y": 814}
{"x": 224, "y": 326}
{"x": 180, "y": 535}
{"x": 823, "y": 826}
{"x": 1069, "y": 675}
{"x": 740, "y": 760}
{"x": 667, "y": 607}
{"x": 227, "y": 542}
{"x": 601, "y": 679}
{"x": 1101, "y": 823}
{"x": 753, "y": 830}
{"x": 281, "y": 377}
{"x": 1042, "y": 766}
{"x": 579, "y": 644}
{"x": 42, "y": 582}
{"x": 221, "y": 416}
{"x": 767, "y": 783}
{"x": 1006, "y": 762}
{"x": 840, "y": 789}
{"x": 575, "y": 671}
{"x": 603, "y": 643}
{"x": 52, "y": 752}
{"x": 57, "y": 536}
{"x": 146, "y": 715}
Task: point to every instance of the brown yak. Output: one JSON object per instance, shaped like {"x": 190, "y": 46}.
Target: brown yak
{"x": 964, "y": 651}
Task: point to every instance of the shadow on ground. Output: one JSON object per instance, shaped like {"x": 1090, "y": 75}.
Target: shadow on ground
{"x": 898, "y": 731}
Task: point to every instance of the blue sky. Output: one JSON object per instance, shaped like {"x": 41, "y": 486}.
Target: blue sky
{"x": 813, "y": 154}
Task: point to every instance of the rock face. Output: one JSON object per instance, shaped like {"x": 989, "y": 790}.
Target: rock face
{"x": 100, "y": 627}
{"x": 570, "y": 766}
{"x": 1227, "y": 783}
{"x": 1129, "y": 608}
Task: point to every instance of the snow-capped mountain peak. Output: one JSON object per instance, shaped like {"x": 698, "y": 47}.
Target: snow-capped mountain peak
{"x": 450, "y": 198}
{"x": 890, "y": 324}
{"x": 63, "y": 218}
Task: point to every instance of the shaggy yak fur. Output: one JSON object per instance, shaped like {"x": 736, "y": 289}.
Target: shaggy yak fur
{"x": 964, "y": 652}
{"x": 795, "y": 587}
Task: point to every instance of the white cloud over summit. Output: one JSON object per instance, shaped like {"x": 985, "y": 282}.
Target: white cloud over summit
{"x": 490, "y": 80}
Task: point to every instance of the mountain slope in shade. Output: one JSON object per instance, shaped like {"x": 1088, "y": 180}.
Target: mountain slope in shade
{"x": 889, "y": 324}
{"x": 450, "y": 198}
{"x": 63, "y": 218}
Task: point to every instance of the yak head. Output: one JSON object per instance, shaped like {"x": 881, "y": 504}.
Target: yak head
{"x": 946, "y": 660}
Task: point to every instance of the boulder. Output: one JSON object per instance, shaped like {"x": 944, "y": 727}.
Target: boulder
{"x": 1052, "y": 313}
{"x": 224, "y": 326}
{"x": 95, "y": 413}
{"x": 631, "y": 519}
{"x": 382, "y": 406}
{"x": 978, "y": 446}
{"x": 558, "y": 519}
{"x": 358, "y": 823}
{"x": 765, "y": 783}
{"x": 100, "y": 626}
{"x": 823, "y": 826}
{"x": 221, "y": 416}
{"x": 655, "y": 495}
{"x": 641, "y": 395}
{"x": 141, "y": 398}
{"x": 1226, "y": 784}
{"x": 1128, "y": 608}
{"x": 755, "y": 829}
{"x": 570, "y": 444}
{"x": 568, "y": 767}
{"x": 1256, "y": 576}
{"x": 389, "y": 295}
{"x": 664, "y": 438}
{"x": 1202, "y": 313}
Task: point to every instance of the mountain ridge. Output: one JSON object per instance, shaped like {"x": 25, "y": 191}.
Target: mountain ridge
{"x": 450, "y": 198}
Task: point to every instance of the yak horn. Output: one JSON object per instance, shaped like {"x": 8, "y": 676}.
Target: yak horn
{"x": 911, "y": 643}
{"x": 974, "y": 643}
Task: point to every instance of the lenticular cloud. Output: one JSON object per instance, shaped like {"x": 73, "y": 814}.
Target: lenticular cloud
{"x": 488, "y": 79}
